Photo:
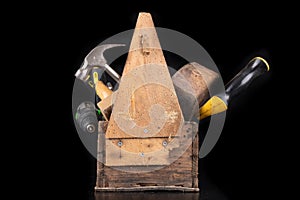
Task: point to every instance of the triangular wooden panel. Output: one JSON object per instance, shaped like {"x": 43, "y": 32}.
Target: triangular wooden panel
{"x": 146, "y": 106}
{"x": 145, "y": 47}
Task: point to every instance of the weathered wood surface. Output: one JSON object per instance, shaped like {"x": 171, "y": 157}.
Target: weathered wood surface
{"x": 145, "y": 47}
{"x": 104, "y": 93}
{"x": 181, "y": 173}
{"x": 146, "y": 113}
{"x": 146, "y": 105}
{"x": 191, "y": 82}
{"x": 150, "y": 151}
{"x": 101, "y": 152}
{"x": 148, "y": 188}
{"x": 195, "y": 159}
{"x": 105, "y": 105}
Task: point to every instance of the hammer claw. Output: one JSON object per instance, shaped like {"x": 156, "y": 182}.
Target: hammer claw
{"x": 96, "y": 59}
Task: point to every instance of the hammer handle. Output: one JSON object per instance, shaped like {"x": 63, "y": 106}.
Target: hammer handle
{"x": 112, "y": 73}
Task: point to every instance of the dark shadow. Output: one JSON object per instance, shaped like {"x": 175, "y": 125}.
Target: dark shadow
{"x": 145, "y": 195}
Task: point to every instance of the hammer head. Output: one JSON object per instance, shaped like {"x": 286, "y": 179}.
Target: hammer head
{"x": 94, "y": 59}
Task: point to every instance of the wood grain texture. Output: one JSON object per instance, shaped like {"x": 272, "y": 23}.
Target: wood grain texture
{"x": 196, "y": 80}
{"x": 181, "y": 175}
{"x": 101, "y": 154}
{"x": 195, "y": 160}
{"x": 146, "y": 105}
{"x": 145, "y": 113}
{"x": 105, "y": 105}
{"x": 145, "y": 47}
{"x": 191, "y": 82}
{"x": 102, "y": 90}
{"x": 148, "y": 188}
{"x": 149, "y": 151}
{"x": 178, "y": 174}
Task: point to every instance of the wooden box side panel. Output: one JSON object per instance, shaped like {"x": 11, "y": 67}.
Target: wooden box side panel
{"x": 181, "y": 173}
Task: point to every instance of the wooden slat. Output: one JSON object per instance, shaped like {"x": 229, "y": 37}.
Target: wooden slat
{"x": 195, "y": 159}
{"x": 105, "y": 106}
{"x": 149, "y": 151}
{"x": 143, "y": 152}
{"x": 148, "y": 188}
{"x": 147, "y": 145}
{"x": 101, "y": 154}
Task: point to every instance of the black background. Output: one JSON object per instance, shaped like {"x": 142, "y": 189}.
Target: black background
{"x": 245, "y": 162}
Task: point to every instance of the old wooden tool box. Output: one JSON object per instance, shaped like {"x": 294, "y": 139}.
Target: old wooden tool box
{"x": 146, "y": 144}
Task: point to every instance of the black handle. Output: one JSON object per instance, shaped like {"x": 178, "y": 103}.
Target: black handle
{"x": 256, "y": 67}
